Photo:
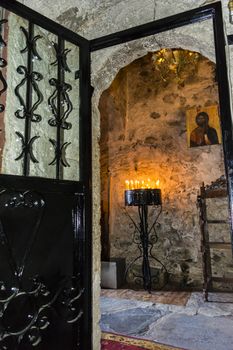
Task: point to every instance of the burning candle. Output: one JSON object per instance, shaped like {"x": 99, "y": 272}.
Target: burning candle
{"x": 141, "y": 184}
{"x": 148, "y": 185}
{"x": 127, "y": 185}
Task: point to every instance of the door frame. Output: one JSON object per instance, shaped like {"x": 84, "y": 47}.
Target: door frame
{"x": 211, "y": 11}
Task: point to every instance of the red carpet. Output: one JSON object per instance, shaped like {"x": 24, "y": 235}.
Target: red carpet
{"x": 111, "y": 341}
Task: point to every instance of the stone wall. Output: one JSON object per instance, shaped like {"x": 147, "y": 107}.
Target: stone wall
{"x": 144, "y": 135}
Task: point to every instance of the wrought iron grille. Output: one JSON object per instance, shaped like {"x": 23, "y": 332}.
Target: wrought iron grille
{"x": 31, "y": 98}
{"x": 3, "y": 62}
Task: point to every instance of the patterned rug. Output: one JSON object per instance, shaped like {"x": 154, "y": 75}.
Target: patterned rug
{"x": 111, "y": 341}
{"x": 163, "y": 297}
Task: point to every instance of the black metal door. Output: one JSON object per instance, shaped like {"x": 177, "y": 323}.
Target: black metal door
{"x": 41, "y": 287}
{"x": 45, "y": 186}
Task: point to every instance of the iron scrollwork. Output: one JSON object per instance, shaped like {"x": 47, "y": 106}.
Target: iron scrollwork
{"x": 145, "y": 238}
{"x": 3, "y": 64}
{"x": 26, "y": 312}
{"x": 25, "y": 199}
{"x": 27, "y": 110}
{"x": 27, "y": 147}
{"x": 66, "y": 103}
{"x": 61, "y": 57}
{"x": 33, "y": 309}
{"x": 22, "y": 112}
{"x": 31, "y": 44}
{"x": 61, "y": 106}
{"x": 59, "y": 153}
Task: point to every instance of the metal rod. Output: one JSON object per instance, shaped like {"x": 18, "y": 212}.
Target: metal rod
{"x": 85, "y": 154}
{"x": 145, "y": 244}
{"x": 60, "y": 135}
{"x": 155, "y": 27}
{"x": 225, "y": 105}
{"x": 27, "y": 129}
{"x": 146, "y": 272}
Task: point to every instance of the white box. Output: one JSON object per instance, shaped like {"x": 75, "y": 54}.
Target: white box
{"x": 113, "y": 273}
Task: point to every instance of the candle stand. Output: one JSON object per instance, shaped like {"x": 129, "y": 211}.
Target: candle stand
{"x": 144, "y": 237}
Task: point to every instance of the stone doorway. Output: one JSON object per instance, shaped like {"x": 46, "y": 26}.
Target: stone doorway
{"x": 144, "y": 135}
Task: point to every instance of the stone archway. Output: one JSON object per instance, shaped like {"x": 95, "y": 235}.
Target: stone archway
{"x": 107, "y": 63}
{"x": 144, "y": 135}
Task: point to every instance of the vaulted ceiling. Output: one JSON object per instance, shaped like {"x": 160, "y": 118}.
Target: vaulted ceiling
{"x": 78, "y": 15}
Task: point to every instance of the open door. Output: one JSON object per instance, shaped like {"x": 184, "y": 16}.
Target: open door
{"x": 45, "y": 184}
{"x": 181, "y": 31}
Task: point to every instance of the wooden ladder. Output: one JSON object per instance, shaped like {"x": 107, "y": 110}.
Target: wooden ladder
{"x": 206, "y": 244}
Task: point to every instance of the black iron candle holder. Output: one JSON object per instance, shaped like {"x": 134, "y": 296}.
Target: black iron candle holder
{"x": 143, "y": 197}
{"x": 144, "y": 237}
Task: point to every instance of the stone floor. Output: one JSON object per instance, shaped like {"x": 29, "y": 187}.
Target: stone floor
{"x": 162, "y": 297}
{"x": 195, "y": 326}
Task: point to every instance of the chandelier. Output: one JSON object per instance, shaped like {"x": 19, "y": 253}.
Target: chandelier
{"x": 175, "y": 64}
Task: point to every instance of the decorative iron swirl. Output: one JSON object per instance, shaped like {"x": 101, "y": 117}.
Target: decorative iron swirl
{"x": 27, "y": 147}
{"x": 2, "y": 42}
{"x": 22, "y": 112}
{"x": 139, "y": 240}
{"x": 61, "y": 57}
{"x": 66, "y": 103}
{"x": 26, "y": 313}
{"x": 31, "y": 44}
{"x": 60, "y": 153}
{"x": 29, "y": 200}
{"x": 61, "y": 106}
{"x": 26, "y": 199}
{"x": 35, "y": 307}
{"x": 3, "y": 64}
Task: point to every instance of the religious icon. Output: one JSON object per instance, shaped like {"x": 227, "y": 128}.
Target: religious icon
{"x": 203, "y": 126}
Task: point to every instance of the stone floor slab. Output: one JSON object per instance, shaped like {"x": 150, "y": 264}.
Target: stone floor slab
{"x": 197, "y": 326}
{"x": 111, "y": 305}
{"x": 130, "y": 322}
{"x": 197, "y": 332}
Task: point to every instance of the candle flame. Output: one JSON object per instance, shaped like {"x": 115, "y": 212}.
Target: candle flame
{"x": 127, "y": 185}
{"x": 141, "y": 184}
